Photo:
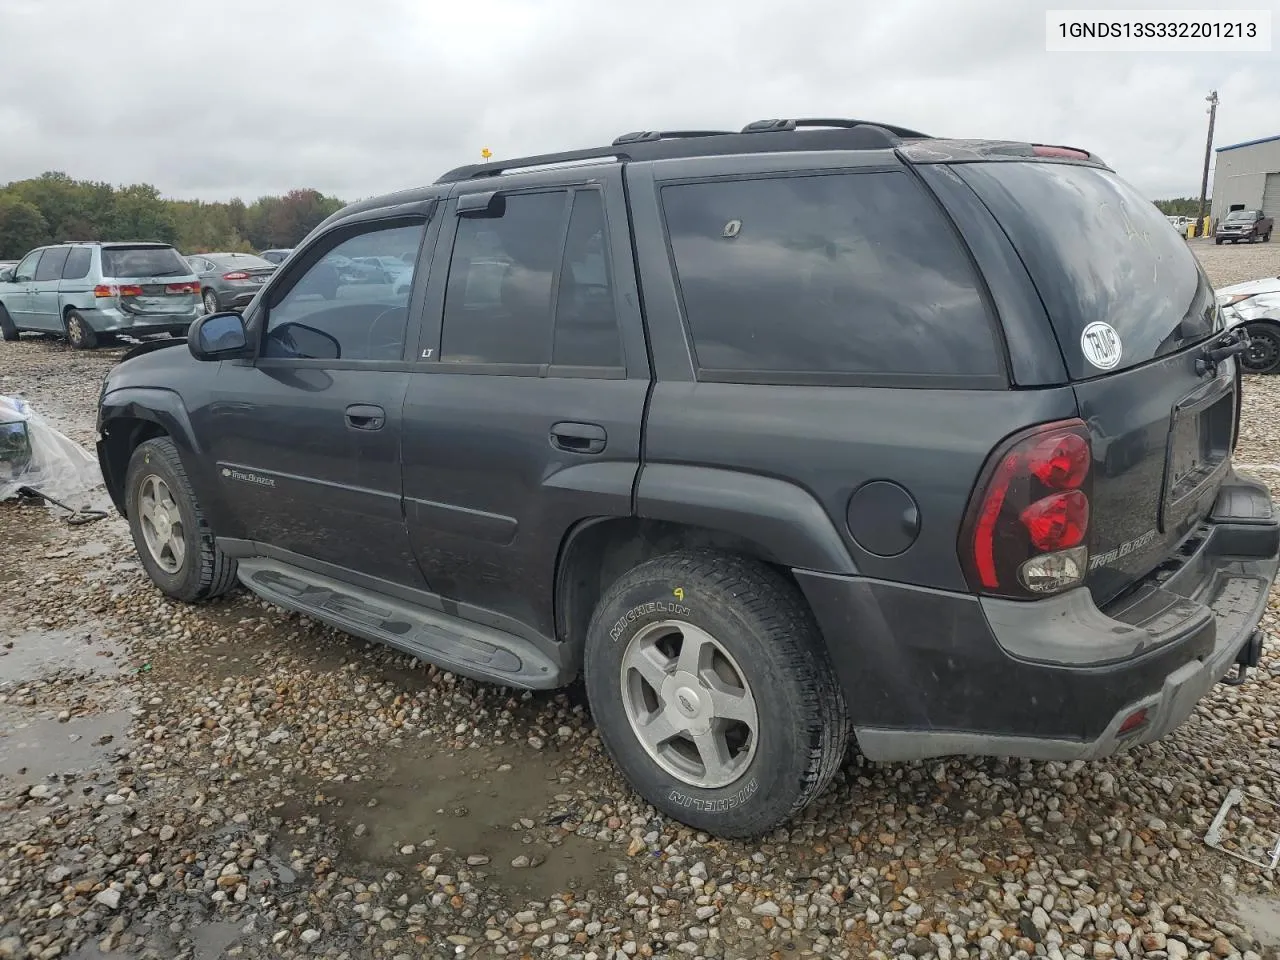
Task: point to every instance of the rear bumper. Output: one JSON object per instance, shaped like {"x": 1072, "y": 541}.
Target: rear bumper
{"x": 115, "y": 320}
{"x": 928, "y": 673}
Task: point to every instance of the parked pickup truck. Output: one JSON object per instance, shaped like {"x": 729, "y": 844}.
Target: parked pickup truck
{"x": 1248, "y": 225}
{"x": 677, "y": 413}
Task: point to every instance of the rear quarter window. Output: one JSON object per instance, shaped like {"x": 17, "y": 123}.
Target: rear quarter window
{"x": 829, "y": 276}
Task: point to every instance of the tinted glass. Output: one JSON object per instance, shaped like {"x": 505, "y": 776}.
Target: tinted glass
{"x": 586, "y": 332}
{"x": 848, "y": 273}
{"x": 242, "y": 261}
{"x": 51, "y": 263}
{"x": 1248, "y": 216}
{"x": 1098, "y": 250}
{"x": 77, "y": 265}
{"x": 365, "y": 314}
{"x": 26, "y": 270}
{"x": 143, "y": 262}
{"x": 497, "y": 306}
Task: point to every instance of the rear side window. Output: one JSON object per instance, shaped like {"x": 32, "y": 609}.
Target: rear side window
{"x": 77, "y": 266}
{"x": 143, "y": 262}
{"x": 586, "y": 333}
{"x": 51, "y": 263}
{"x": 497, "y": 303}
{"x": 1101, "y": 256}
{"x": 808, "y": 277}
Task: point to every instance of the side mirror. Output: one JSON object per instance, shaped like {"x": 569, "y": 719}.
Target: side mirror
{"x": 6, "y": 275}
{"x": 218, "y": 336}
{"x": 297, "y": 341}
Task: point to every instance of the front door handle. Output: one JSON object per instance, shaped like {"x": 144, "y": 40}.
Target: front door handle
{"x": 575, "y": 437}
{"x": 366, "y": 416}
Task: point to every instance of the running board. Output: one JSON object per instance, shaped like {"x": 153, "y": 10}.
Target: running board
{"x": 458, "y": 646}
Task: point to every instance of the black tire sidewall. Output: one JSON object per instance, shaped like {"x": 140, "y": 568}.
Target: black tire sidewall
{"x": 85, "y": 343}
{"x": 150, "y": 458}
{"x": 765, "y": 792}
{"x": 8, "y": 330}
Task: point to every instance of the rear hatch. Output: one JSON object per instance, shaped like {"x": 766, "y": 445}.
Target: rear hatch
{"x": 151, "y": 278}
{"x": 1131, "y": 309}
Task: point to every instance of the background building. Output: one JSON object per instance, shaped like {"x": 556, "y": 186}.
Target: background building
{"x": 1246, "y": 176}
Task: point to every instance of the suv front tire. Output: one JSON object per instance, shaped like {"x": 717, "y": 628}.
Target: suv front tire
{"x": 713, "y": 692}
{"x": 173, "y": 539}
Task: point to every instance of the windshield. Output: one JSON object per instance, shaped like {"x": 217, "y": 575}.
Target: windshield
{"x": 1236, "y": 215}
{"x": 143, "y": 262}
{"x": 1098, "y": 253}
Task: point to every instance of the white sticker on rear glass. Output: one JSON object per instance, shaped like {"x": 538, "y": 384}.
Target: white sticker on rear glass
{"x": 1101, "y": 345}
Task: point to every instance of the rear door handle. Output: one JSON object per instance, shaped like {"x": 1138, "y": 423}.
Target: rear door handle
{"x": 366, "y": 416}
{"x": 575, "y": 437}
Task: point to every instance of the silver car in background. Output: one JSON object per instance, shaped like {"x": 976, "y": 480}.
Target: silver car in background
{"x": 91, "y": 291}
{"x": 228, "y": 281}
{"x": 1255, "y": 305}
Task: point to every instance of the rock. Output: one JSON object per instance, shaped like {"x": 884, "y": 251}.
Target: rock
{"x": 109, "y": 898}
{"x": 1103, "y": 951}
{"x": 113, "y": 799}
{"x": 40, "y": 791}
{"x": 520, "y": 862}
{"x": 635, "y": 846}
{"x": 1153, "y": 940}
{"x": 167, "y": 833}
{"x": 1177, "y": 950}
{"x": 310, "y": 935}
{"x": 57, "y": 874}
{"x": 766, "y": 909}
{"x": 11, "y": 948}
{"x": 477, "y": 860}
{"x": 1222, "y": 947}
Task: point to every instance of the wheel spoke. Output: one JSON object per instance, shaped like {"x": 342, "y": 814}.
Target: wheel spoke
{"x": 696, "y": 650}
{"x": 713, "y": 750}
{"x": 731, "y": 704}
{"x": 657, "y": 729}
{"x": 652, "y": 665}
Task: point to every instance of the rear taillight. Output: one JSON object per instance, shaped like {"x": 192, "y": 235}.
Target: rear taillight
{"x": 235, "y": 275}
{"x": 112, "y": 290}
{"x": 1028, "y": 519}
{"x": 180, "y": 288}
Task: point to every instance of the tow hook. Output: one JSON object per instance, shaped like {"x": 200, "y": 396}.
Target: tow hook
{"x": 1250, "y": 655}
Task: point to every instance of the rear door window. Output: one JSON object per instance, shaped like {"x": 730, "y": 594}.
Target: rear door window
{"x": 1120, "y": 287}
{"x": 806, "y": 278}
{"x": 143, "y": 263}
{"x": 51, "y": 263}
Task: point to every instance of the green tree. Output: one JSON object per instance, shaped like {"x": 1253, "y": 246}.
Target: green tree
{"x": 22, "y": 227}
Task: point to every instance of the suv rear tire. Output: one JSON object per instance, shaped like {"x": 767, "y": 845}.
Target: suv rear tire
{"x": 169, "y": 529}
{"x": 79, "y": 334}
{"x": 755, "y": 686}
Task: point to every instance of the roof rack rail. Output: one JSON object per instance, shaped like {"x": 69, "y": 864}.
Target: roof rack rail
{"x": 541, "y": 160}
{"x": 649, "y": 136}
{"x": 772, "y": 126}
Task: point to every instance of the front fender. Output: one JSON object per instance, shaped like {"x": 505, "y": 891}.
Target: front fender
{"x": 143, "y": 413}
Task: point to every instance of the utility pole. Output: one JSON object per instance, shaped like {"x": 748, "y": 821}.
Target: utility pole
{"x": 1208, "y": 152}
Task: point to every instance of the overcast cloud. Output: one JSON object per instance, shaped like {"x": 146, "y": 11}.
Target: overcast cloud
{"x": 359, "y": 97}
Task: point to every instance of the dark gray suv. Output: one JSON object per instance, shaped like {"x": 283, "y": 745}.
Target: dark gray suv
{"x": 809, "y": 432}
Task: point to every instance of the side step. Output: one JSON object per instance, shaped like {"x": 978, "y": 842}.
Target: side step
{"x": 459, "y": 646}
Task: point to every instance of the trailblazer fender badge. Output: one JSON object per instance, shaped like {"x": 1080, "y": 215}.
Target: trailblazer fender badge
{"x": 1101, "y": 345}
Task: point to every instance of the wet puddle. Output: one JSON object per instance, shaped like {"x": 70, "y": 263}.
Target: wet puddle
{"x": 1260, "y": 916}
{"x": 469, "y": 807}
{"x": 34, "y": 654}
{"x": 33, "y": 749}
{"x": 208, "y": 941}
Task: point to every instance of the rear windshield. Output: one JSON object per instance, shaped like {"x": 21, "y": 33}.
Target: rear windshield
{"x": 143, "y": 262}
{"x": 246, "y": 261}
{"x": 1100, "y": 254}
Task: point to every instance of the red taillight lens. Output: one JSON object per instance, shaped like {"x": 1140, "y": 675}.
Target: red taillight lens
{"x": 182, "y": 288}
{"x": 130, "y": 290}
{"x": 1060, "y": 461}
{"x": 235, "y": 275}
{"x": 106, "y": 290}
{"x": 1058, "y": 521}
{"x": 1031, "y": 503}
{"x": 1069, "y": 153}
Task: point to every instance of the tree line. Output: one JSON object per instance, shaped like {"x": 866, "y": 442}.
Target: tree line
{"x": 1182, "y": 207}
{"x": 53, "y": 208}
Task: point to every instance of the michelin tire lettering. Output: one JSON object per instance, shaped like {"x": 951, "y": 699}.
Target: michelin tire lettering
{"x": 644, "y": 610}
{"x": 716, "y": 806}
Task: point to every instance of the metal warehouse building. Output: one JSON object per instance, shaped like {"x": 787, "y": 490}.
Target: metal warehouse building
{"x": 1246, "y": 176}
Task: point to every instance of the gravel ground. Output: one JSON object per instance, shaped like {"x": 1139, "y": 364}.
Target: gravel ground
{"x": 233, "y": 780}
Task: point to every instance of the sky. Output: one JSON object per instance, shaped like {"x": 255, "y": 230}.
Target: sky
{"x": 243, "y": 98}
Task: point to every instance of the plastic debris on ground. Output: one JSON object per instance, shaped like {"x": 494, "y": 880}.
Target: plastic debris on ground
{"x": 34, "y": 456}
